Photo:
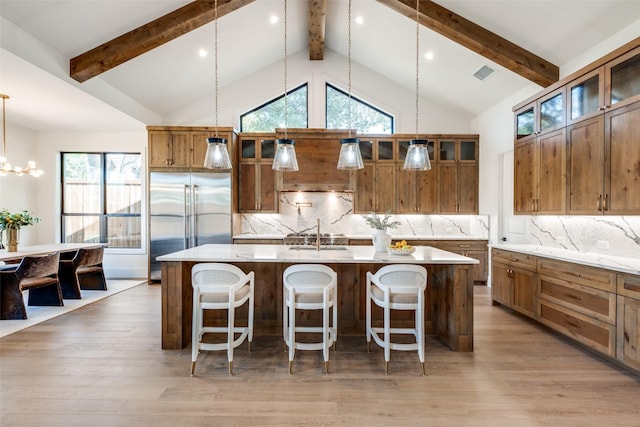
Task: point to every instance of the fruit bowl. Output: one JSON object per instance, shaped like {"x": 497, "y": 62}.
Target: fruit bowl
{"x": 407, "y": 250}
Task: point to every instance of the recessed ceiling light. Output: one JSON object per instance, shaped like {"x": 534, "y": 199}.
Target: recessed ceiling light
{"x": 202, "y": 53}
{"x": 359, "y": 20}
{"x": 273, "y": 19}
{"x": 429, "y": 55}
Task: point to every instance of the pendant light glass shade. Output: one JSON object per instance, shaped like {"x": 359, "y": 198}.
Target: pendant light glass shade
{"x": 285, "y": 158}
{"x": 217, "y": 156}
{"x": 350, "y": 157}
{"x": 417, "y": 156}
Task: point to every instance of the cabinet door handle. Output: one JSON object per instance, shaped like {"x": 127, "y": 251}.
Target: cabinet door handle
{"x": 605, "y": 207}
{"x": 599, "y": 203}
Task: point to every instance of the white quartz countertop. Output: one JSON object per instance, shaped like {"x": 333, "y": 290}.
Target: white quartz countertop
{"x": 329, "y": 254}
{"x": 615, "y": 263}
{"x": 364, "y": 237}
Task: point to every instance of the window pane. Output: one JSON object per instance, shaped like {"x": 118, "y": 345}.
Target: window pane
{"x": 364, "y": 118}
{"x": 124, "y": 232}
{"x": 124, "y": 183}
{"x": 81, "y": 182}
{"x": 81, "y": 229}
{"x": 270, "y": 116}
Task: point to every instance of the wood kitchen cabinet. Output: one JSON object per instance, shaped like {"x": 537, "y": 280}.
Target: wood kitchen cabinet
{"x": 416, "y": 190}
{"x": 476, "y": 249}
{"x": 376, "y": 183}
{"x": 513, "y": 278}
{"x": 628, "y": 325}
{"x": 457, "y": 165}
{"x": 256, "y": 178}
{"x": 601, "y": 120}
{"x": 603, "y": 163}
{"x": 540, "y": 174}
{"x": 183, "y": 147}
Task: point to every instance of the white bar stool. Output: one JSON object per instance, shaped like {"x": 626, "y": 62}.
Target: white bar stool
{"x": 397, "y": 287}
{"x": 218, "y": 286}
{"x": 310, "y": 287}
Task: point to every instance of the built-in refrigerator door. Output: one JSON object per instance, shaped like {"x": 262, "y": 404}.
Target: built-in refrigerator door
{"x": 211, "y": 195}
{"x": 169, "y": 213}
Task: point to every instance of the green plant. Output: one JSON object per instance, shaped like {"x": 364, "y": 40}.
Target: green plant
{"x": 16, "y": 220}
{"x": 380, "y": 223}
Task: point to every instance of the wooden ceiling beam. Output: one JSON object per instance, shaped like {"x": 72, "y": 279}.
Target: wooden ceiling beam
{"x": 317, "y": 21}
{"x": 148, "y": 36}
{"x": 479, "y": 40}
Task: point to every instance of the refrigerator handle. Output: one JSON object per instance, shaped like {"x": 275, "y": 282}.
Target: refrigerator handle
{"x": 186, "y": 216}
{"x": 194, "y": 205}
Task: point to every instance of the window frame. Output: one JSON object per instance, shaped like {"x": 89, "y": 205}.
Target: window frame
{"x": 271, "y": 101}
{"x": 103, "y": 215}
{"x": 353, "y": 98}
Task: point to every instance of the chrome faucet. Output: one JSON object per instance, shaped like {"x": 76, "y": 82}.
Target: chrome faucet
{"x": 318, "y": 237}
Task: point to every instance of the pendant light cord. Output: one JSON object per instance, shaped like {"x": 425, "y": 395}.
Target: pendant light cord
{"x": 417, "y": 64}
{"x": 4, "y": 126}
{"x": 215, "y": 19}
{"x": 349, "y": 61}
{"x": 285, "y": 70}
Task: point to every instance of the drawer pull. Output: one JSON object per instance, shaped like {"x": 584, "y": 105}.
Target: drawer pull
{"x": 575, "y": 297}
{"x": 574, "y": 324}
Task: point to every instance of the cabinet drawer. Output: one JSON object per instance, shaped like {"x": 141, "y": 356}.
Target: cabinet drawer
{"x": 629, "y": 286}
{"x": 593, "y": 333}
{"x": 583, "y": 299}
{"x": 462, "y": 246}
{"x": 588, "y": 276}
{"x": 515, "y": 259}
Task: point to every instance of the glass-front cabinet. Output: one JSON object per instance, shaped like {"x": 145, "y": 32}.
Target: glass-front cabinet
{"x": 256, "y": 178}
{"x": 623, "y": 76}
{"x": 541, "y": 116}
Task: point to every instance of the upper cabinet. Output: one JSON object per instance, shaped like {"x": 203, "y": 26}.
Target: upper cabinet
{"x": 183, "y": 148}
{"x": 256, "y": 177}
{"x": 540, "y": 116}
{"x": 450, "y": 187}
{"x": 589, "y": 166}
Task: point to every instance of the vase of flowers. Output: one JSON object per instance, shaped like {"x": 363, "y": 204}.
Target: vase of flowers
{"x": 10, "y": 225}
{"x": 381, "y": 239}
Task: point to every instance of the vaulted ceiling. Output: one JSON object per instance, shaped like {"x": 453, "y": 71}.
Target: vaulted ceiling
{"x": 129, "y": 54}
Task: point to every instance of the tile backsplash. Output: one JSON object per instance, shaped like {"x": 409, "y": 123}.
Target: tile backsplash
{"x": 607, "y": 235}
{"x": 299, "y": 212}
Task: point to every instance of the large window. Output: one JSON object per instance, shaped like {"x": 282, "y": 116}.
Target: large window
{"x": 102, "y": 198}
{"x": 365, "y": 118}
{"x": 270, "y": 115}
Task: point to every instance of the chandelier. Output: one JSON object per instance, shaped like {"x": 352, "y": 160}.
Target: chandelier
{"x": 5, "y": 166}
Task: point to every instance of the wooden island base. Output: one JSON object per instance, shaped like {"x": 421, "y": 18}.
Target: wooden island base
{"x": 448, "y": 310}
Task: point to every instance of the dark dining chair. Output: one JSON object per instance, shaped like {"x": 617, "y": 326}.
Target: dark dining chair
{"x": 38, "y": 275}
{"x": 83, "y": 271}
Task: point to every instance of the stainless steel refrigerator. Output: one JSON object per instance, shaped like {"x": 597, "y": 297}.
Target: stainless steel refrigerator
{"x": 187, "y": 210}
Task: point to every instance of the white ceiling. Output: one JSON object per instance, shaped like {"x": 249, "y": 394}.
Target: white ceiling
{"x": 172, "y": 76}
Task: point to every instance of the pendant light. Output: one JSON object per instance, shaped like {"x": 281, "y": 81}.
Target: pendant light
{"x": 285, "y": 158}
{"x": 350, "y": 156}
{"x": 5, "y": 166}
{"x": 217, "y": 156}
{"x": 418, "y": 154}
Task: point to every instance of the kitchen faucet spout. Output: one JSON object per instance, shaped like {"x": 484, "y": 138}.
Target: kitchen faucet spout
{"x": 318, "y": 236}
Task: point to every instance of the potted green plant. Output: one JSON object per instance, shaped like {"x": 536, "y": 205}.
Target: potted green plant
{"x": 381, "y": 239}
{"x": 11, "y": 223}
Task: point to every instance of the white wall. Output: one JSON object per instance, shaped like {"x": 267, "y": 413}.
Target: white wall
{"x": 266, "y": 84}
{"x": 117, "y": 262}
{"x": 18, "y": 193}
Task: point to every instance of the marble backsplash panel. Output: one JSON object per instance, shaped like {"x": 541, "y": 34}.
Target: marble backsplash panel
{"x": 607, "y": 235}
{"x": 299, "y": 212}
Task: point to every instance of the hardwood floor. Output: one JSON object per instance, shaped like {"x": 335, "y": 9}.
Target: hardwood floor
{"x": 102, "y": 365}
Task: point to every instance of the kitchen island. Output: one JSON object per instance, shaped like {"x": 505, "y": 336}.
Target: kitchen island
{"x": 449, "y": 295}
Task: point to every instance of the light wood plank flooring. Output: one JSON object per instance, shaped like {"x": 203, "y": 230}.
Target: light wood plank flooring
{"x": 102, "y": 365}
